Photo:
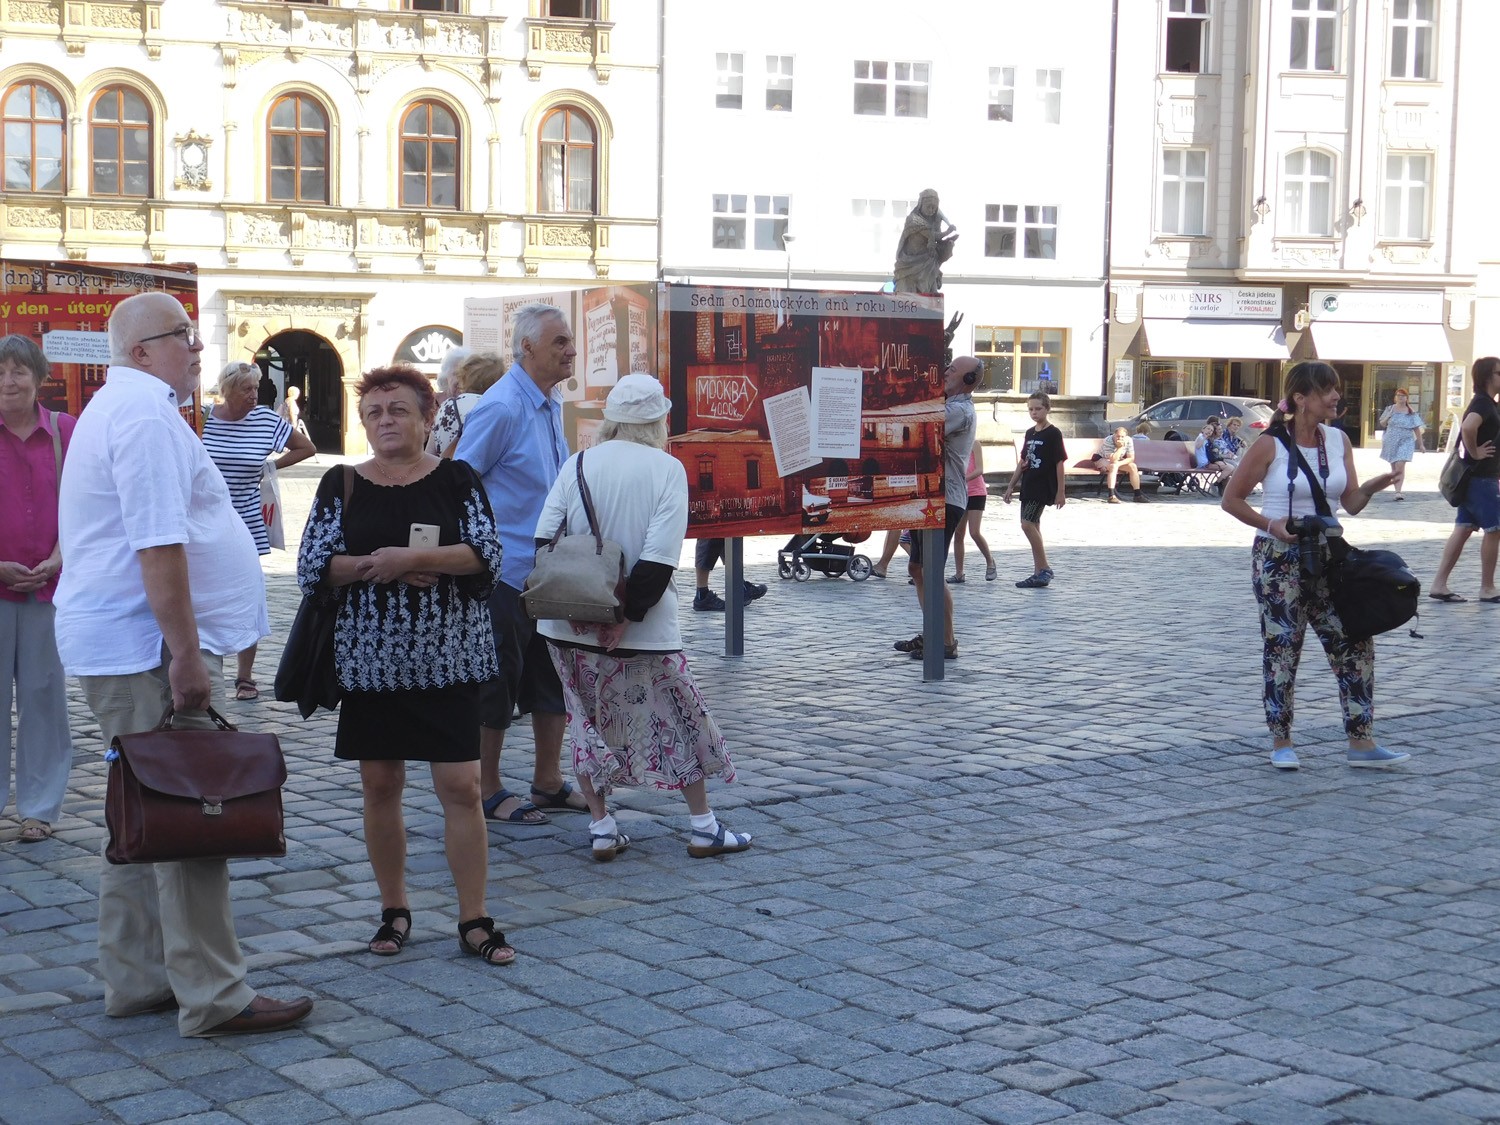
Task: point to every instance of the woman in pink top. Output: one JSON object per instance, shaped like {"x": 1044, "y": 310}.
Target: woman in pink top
{"x": 33, "y": 442}
{"x": 978, "y": 493}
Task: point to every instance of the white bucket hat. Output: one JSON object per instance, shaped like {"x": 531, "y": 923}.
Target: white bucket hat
{"x": 636, "y": 398}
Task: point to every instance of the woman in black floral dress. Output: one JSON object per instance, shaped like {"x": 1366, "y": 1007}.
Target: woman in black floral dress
{"x": 407, "y": 543}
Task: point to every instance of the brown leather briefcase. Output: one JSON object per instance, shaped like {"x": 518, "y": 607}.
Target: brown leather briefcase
{"x": 194, "y": 794}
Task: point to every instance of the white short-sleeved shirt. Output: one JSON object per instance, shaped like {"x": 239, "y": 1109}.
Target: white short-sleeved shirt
{"x": 641, "y": 502}
{"x": 136, "y": 477}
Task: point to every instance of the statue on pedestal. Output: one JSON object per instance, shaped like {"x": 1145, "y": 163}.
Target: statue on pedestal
{"x": 926, "y": 243}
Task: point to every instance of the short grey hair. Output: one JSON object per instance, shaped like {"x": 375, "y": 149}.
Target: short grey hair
{"x": 23, "y": 350}
{"x": 529, "y": 319}
{"x": 131, "y": 315}
{"x": 653, "y": 434}
{"x": 447, "y": 379}
{"x": 236, "y": 372}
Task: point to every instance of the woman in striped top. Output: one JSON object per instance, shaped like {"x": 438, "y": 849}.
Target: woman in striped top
{"x": 239, "y": 436}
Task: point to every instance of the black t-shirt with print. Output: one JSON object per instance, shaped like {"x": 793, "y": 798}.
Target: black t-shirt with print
{"x": 1041, "y": 450}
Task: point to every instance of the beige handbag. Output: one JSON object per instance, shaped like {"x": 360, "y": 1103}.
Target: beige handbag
{"x": 578, "y": 577}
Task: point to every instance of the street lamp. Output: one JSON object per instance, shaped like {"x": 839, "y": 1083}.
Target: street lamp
{"x": 787, "y": 238}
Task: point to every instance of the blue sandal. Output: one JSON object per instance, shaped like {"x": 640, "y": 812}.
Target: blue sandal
{"x": 555, "y": 802}
{"x": 703, "y": 844}
{"x": 525, "y": 814}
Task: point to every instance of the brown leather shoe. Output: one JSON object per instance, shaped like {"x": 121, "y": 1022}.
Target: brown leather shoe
{"x": 263, "y": 1014}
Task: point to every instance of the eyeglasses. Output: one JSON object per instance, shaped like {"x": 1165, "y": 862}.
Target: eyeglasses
{"x": 188, "y": 332}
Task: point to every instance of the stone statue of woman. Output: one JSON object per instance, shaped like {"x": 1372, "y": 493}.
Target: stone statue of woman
{"x": 926, "y": 243}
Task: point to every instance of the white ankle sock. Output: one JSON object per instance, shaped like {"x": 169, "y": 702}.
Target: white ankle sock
{"x": 707, "y": 824}
{"x": 606, "y": 828}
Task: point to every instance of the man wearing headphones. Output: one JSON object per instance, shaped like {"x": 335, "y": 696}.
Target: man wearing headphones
{"x": 959, "y": 427}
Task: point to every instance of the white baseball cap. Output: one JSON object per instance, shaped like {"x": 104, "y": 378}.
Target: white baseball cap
{"x": 636, "y": 398}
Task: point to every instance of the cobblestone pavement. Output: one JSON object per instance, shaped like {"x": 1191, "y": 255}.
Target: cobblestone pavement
{"x": 1062, "y": 885}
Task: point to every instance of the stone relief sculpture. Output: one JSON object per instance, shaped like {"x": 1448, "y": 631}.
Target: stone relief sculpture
{"x": 926, "y": 243}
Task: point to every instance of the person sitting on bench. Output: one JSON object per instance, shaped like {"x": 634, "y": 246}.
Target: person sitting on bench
{"x": 1118, "y": 452}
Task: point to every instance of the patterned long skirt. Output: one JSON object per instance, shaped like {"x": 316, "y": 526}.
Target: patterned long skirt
{"x": 638, "y": 719}
{"x": 1289, "y": 603}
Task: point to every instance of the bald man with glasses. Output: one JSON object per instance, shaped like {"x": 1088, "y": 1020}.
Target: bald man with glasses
{"x": 162, "y": 580}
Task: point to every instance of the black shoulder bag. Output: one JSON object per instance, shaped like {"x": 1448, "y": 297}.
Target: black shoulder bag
{"x": 306, "y": 675}
{"x": 1373, "y": 591}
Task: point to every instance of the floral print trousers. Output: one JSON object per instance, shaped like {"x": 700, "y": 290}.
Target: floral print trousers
{"x": 1289, "y": 602}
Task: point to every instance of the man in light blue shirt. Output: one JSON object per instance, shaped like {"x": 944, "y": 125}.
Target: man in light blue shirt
{"x": 514, "y": 439}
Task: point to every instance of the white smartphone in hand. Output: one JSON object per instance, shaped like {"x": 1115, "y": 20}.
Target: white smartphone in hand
{"x": 424, "y": 536}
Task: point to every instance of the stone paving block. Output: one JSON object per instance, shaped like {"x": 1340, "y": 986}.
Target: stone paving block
{"x": 485, "y": 1101}
{"x": 634, "y": 1062}
{"x": 369, "y": 1098}
{"x": 427, "y": 1114}
{"x": 160, "y": 1105}
{"x": 1014, "y": 1107}
{"x": 1111, "y": 1099}
{"x": 952, "y": 1087}
{"x": 1381, "y": 1110}
{"x": 924, "y": 1114}
{"x": 329, "y": 1073}
{"x": 891, "y": 1068}
{"x": 56, "y": 1105}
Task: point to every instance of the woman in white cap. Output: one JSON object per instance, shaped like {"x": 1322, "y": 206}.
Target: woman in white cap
{"x": 635, "y": 715}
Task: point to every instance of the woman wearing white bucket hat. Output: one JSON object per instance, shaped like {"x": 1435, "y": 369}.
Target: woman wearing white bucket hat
{"x": 635, "y": 715}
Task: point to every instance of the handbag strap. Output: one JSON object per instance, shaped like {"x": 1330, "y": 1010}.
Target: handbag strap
{"x": 219, "y": 720}
{"x": 588, "y": 505}
{"x": 57, "y": 449}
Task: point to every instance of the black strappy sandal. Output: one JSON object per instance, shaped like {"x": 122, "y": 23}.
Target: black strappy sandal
{"x": 388, "y": 931}
{"x": 489, "y": 947}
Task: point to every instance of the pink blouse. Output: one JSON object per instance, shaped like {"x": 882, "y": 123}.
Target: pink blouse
{"x": 28, "y": 496}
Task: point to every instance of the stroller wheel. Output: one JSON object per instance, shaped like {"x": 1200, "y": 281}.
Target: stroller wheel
{"x": 801, "y": 571}
{"x": 784, "y": 568}
{"x": 860, "y": 568}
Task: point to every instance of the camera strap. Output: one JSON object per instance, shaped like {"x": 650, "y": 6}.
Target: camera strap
{"x": 1295, "y": 461}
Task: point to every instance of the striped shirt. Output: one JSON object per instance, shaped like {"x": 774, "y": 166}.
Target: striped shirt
{"x": 240, "y": 449}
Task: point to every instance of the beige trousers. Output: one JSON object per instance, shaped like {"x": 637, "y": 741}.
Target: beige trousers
{"x": 165, "y": 929}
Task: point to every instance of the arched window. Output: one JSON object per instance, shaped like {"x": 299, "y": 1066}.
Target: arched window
{"x": 1307, "y": 193}
{"x": 120, "y": 143}
{"x": 297, "y": 143}
{"x": 429, "y": 156}
{"x": 33, "y": 144}
{"x": 566, "y": 163}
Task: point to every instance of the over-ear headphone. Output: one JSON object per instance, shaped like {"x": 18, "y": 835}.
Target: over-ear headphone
{"x": 971, "y": 377}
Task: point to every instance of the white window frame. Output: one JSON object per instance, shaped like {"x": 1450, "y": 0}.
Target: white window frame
{"x": 1307, "y": 181}
{"x": 999, "y": 218}
{"x": 729, "y": 212}
{"x": 1002, "y": 104}
{"x": 730, "y": 66}
{"x": 1049, "y": 96}
{"x": 1415, "y": 58}
{"x": 1184, "y": 10}
{"x": 779, "y": 79}
{"x": 1315, "y": 18}
{"x": 1406, "y": 203}
{"x": 1174, "y": 197}
{"x": 768, "y": 219}
{"x": 896, "y": 77}
{"x": 882, "y": 221}
{"x": 1035, "y": 218}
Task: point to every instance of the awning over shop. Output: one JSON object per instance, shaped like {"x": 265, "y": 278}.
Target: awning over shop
{"x": 1216, "y": 339}
{"x": 1381, "y": 343}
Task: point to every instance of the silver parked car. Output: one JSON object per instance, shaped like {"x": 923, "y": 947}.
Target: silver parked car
{"x": 1187, "y": 413}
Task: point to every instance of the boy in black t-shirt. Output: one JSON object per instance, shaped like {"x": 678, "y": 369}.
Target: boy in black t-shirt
{"x": 1040, "y": 471}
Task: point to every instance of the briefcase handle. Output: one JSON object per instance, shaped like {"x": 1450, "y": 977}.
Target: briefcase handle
{"x": 219, "y": 720}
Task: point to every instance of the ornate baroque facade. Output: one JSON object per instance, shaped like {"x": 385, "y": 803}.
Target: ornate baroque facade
{"x": 343, "y": 174}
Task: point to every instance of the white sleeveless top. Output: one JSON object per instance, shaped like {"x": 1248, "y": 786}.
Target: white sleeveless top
{"x": 1275, "y": 506}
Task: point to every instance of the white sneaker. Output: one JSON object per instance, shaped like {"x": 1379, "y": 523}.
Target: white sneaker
{"x": 1285, "y": 759}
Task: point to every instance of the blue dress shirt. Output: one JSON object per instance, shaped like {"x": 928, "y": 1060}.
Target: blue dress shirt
{"x": 514, "y": 439}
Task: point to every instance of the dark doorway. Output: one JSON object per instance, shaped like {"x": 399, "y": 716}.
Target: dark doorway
{"x": 307, "y": 362}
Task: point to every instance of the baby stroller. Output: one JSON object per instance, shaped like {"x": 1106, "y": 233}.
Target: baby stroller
{"x": 804, "y": 554}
